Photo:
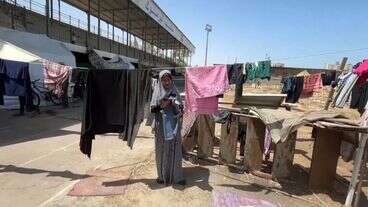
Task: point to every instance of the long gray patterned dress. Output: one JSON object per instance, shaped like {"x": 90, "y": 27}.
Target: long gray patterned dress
{"x": 168, "y": 154}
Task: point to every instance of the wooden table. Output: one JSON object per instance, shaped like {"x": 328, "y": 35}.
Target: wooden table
{"x": 326, "y": 152}
{"x": 253, "y": 152}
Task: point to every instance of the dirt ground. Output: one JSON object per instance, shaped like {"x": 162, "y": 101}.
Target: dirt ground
{"x": 40, "y": 162}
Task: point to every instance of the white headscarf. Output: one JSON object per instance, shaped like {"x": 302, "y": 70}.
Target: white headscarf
{"x": 159, "y": 92}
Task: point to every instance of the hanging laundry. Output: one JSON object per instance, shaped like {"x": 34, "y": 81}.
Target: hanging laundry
{"x": 264, "y": 70}
{"x": 361, "y": 69}
{"x": 55, "y": 76}
{"x": 114, "y": 103}
{"x": 16, "y": 75}
{"x": 261, "y": 70}
{"x": 16, "y": 80}
{"x": 202, "y": 86}
{"x": 288, "y": 87}
{"x": 345, "y": 86}
{"x": 189, "y": 119}
{"x": 328, "y": 78}
{"x": 312, "y": 83}
{"x": 359, "y": 97}
{"x": 251, "y": 71}
{"x": 235, "y": 73}
{"x": 293, "y": 87}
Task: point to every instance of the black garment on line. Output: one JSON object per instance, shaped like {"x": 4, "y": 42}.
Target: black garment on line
{"x": 114, "y": 101}
{"x": 235, "y": 73}
{"x": 293, "y": 87}
{"x": 359, "y": 97}
{"x": 299, "y": 84}
{"x": 327, "y": 78}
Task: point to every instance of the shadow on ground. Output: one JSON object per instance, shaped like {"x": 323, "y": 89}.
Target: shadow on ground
{"x": 195, "y": 176}
{"x": 31, "y": 171}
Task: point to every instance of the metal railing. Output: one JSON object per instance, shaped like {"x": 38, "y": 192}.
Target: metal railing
{"x": 57, "y": 15}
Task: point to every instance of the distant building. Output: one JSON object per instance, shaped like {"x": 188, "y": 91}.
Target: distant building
{"x": 337, "y": 65}
{"x": 279, "y": 65}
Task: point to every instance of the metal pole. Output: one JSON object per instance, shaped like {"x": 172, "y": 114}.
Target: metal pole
{"x": 113, "y": 30}
{"x": 30, "y": 5}
{"x": 205, "y": 60}
{"x": 128, "y": 29}
{"x": 12, "y": 16}
{"x": 158, "y": 43}
{"x": 190, "y": 59}
{"x": 208, "y": 29}
{"x": 47, "y": 17}
{"x": 59, "y": 8}
{"x": 98, "y": 23}
{"x": 52, "y": 9}
{"x": 145, "y": 38}
{"x": 122, "y": 41}
{"x": 70, "y": 29}
{"x": 166, "y": 45}
{"x": 89, "y": 23}
{"x": 108, "y": 31}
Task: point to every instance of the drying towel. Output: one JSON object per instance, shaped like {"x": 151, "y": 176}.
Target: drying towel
{"x": 202, "y": 86}
{"x": 55, "y": 75}
{"x": 312, "y": 83}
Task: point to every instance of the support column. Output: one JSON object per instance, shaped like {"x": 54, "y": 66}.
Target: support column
{"x": 122, "y": 41}
{"x": 253, "y": 150}
{"x": 52, "y": 10}
{"x": 13, "y": 7}
{"x": 98, "y": 23}
{"x": 284, "y": 157}
{"x": 166, "y": 46}
{"x": 190, "y": 59}
{"x": 145, "y": 39}
{"x": 71, "y": 30}
{"x": 158, "y": 43}
{"x": 134, "y": 48}
{"x": 325, "y": 156}
{"x": 88, "y": 23}
{"x": 47, "y": 12}
{"x": 229, "y": 140}
{"x": 128, "y": 29}
{"x": 113, "y": 31}
{"x": 59, "y": 10}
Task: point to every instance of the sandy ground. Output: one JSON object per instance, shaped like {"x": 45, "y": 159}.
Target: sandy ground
{"x": 40, "y": 162}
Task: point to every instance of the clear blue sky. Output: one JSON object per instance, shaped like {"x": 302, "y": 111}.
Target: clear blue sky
{"x": 250, "y": 29}
{"x": 283, "y": 29}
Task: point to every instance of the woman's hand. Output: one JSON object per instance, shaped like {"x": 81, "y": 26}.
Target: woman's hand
{"x": 164, "y": 103}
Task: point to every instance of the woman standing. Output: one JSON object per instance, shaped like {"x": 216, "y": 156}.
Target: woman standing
{"x": 166, "y": 104}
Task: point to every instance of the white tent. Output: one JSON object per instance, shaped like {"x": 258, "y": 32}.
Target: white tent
{"x": 9, "y": 51}
{"x": 38, "y": 45}
{"x": 31, "y": 48}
